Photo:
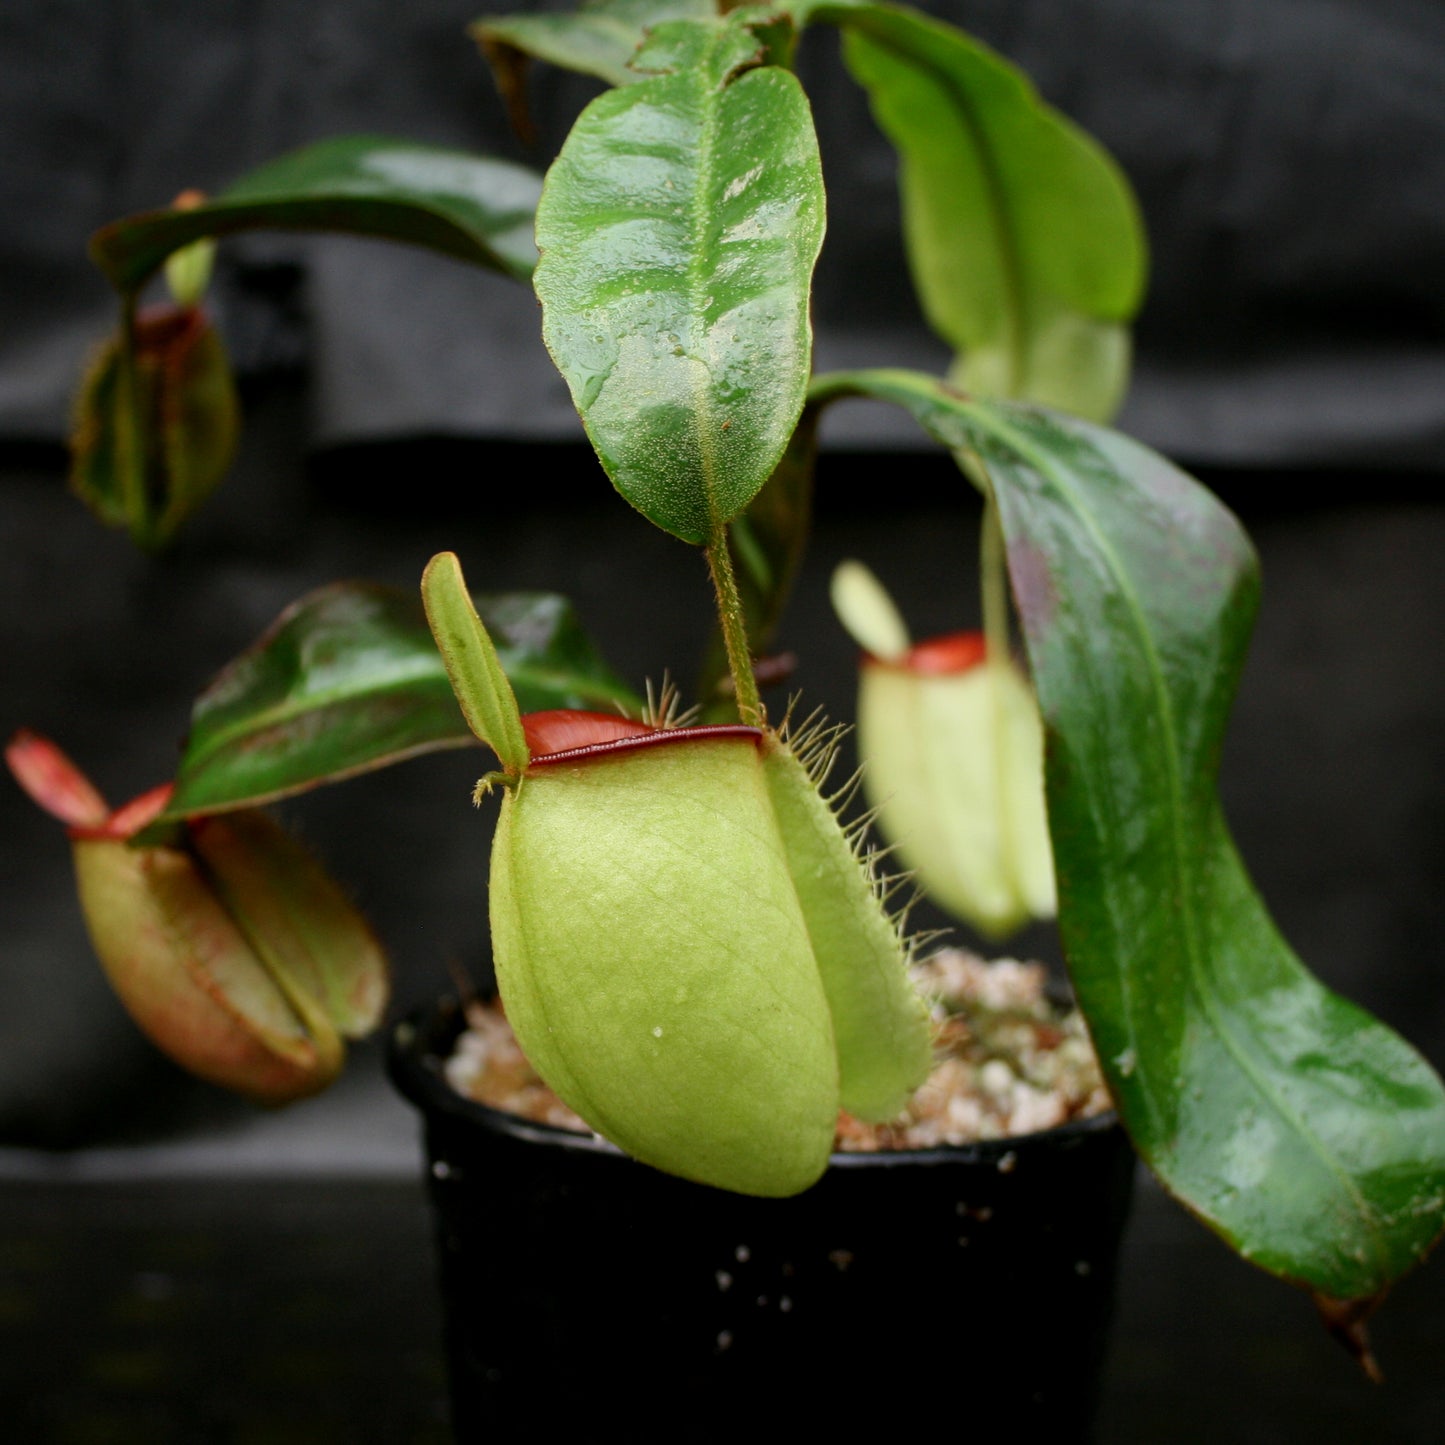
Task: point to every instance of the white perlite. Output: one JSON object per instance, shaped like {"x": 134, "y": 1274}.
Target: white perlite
{"x": 1010, "y": 1061}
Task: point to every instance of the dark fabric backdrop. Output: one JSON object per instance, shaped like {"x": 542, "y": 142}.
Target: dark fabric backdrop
{"x": 1290, "y": 156}
{"x": 1285, "y": 154}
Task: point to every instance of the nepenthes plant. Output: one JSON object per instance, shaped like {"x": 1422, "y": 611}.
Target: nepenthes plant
{"x": 690, "y": 946}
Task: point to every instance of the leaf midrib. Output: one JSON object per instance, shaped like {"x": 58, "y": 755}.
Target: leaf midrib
{"x": 711, "y": 101}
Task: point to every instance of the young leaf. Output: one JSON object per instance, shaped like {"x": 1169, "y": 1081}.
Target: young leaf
{"x": 467, "y": 206}
{"x": 678, "y": 230}
{"x": 1025, "y": 241}
{"x": 486, "y": 697}
{"x": 349, "y": 679}
{"x": 1305, "y": 1132}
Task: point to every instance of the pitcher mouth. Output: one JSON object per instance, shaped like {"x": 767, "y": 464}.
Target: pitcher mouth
{"x": 942, "y": 656}
{"x": 567, "y": 735}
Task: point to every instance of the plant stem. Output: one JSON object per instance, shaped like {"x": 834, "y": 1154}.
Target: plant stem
{"x": 994, "y": 596}
{"x": 734, "y": 630}
{"x": 993, "y": 578}
{"x": 993, "y": 582}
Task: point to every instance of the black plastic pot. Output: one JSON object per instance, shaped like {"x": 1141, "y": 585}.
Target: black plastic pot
{"x": 588, "y": 1297}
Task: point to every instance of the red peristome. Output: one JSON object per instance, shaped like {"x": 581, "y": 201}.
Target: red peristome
{"x": 53, "y": 781}
{"x": 564, "y": 728}
{"x": 164, "y": 328}
{"x": 568, "y": 735}
{"x": 128, "y": 820}
{"x": 953, "y": 652}
{"x": 939, "y": 656}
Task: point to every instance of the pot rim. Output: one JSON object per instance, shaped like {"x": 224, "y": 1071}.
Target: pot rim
{"x": 414, "y": 1057}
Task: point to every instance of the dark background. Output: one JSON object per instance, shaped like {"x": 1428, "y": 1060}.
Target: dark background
{"x": 1290, "y": 158}
{"x": 1288, "y": 154}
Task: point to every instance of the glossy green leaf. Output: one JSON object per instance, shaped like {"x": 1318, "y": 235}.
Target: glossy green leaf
{"x": 1308, "y": 1134}
{"x": 1024, "y": 238}
{"x": 678, "y": 230}
{"x": 156, "y": 423}
{"x": 348, "y": 679}
{"x": 597, "y": 39}
{"x": 467, "y": 206}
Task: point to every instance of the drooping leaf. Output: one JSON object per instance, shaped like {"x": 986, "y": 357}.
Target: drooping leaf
{"x": 467, "y": 206}
{"x": 678, "y": 230}
{"x": 1308, "y": 1134}
{"x": 348, "y": 679}
{"x": 1025, "y": 241}
{"x": 156, "y": 423}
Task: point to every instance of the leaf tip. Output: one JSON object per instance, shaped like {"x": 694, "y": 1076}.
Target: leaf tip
{"x": 1346, "y": 1320}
